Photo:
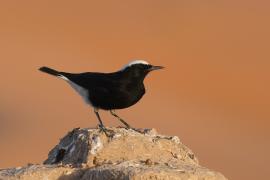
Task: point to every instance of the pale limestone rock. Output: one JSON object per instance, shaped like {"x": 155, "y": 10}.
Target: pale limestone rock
{"x": 128, "y": 155}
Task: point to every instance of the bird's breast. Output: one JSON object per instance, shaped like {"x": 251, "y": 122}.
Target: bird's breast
{"x": 132, "y": 96}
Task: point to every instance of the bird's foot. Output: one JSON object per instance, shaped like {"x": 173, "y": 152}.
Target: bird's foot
{"x": 135, "y": 129}
{"x": 107, "y": 132}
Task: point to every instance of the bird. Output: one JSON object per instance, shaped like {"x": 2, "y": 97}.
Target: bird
{"x": 109, "y": 91}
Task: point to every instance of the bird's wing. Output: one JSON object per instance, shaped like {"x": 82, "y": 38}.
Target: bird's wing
{"x": 109, "y": 97}
{"x": 100, "y": 91}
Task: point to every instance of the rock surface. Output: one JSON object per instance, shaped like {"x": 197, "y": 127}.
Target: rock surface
{"x": 89, "y": 154}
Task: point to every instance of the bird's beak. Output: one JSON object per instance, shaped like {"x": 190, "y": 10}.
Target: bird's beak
{"x": 156, "y": 68}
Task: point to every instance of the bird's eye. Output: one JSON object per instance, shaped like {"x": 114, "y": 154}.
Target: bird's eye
{"x": 149, "y": 66}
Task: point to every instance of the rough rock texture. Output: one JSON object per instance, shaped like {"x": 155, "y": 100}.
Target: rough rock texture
{"x": 88, "y": 154}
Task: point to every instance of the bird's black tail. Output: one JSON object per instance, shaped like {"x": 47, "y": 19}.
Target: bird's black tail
{"x": 50, "y": 71}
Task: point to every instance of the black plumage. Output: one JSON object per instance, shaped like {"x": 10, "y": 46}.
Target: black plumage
{"x": 109, "y": 91}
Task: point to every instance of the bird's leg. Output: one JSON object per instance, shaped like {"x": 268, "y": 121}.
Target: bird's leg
{"x": 101, "y": 126}
{"x": 120, "y": 119}
{"x": 124, "y": 122}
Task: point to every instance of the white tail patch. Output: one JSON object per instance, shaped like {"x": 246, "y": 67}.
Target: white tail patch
{"x": 63, "y": 77}
{"x": 80, "y": 90}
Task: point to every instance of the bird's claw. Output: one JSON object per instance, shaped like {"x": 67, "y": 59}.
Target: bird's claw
{"x": 107, "y": 132}
{"x": 134, "y": 129}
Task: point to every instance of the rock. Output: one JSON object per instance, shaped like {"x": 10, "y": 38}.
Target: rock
{"x": 89, "y": 154}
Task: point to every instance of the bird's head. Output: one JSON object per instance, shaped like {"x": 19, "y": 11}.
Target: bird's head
{"x": 140, "y": 68}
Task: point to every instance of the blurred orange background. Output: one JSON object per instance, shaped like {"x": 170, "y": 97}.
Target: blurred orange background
{"x": 213, "y": 94}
